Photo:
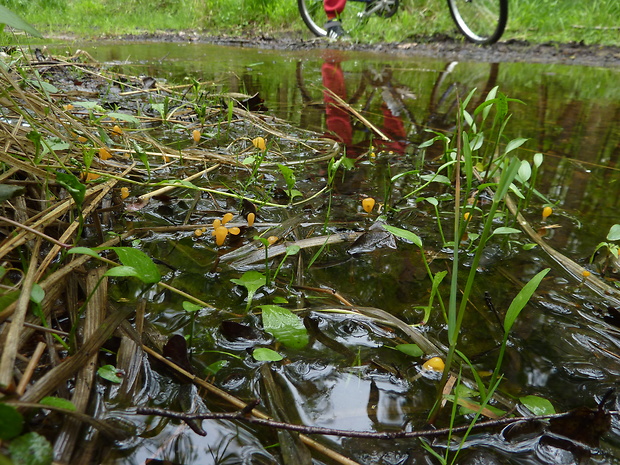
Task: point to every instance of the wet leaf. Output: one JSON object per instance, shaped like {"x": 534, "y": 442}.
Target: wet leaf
{"x": 31, "y": 449}
{"x": 582, "y": 424}
{"x": 412, "y": 350}
{"x": 252, "y": 280}
{"x": 537, "y": 405}
{"x": 404, "y": 234}
{"x": 213, "y": 368}
{"x": 110, "y": 373}
{"x": 175, "y": 350}
{"x": 58, "y": 402}
{"x": 146, "y": 270}
{"x": 285, "y": 326}
{"x": 262, "y": 354}
{"x": 11, "y": 422}
{"x": 234, "y": 331}
{"x": 191, "y": 307}
{"x": 74, "y": 187}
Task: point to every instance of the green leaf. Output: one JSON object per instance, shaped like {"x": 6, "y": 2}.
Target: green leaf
{"x": 404, "y": 234}
{"x": 614, "y": 233}
{"x": 215, "y": 367}
{"x": 537, "y": 405}
{"x": 538, "y": 159}
{"x": 506, "y": 230}
{"x": 146, "y": 270}
{"x": 11, "y": 422}
{"x": 58, "y": 402}
{"x": 289, "y": 176}
{"x": 84, "y": 251}
{"x": 436, "y": 178}
{"x": 252, "y": 280}
{"x": 110, "y": 373}
{"x": 37, "y": 294}
{"x": 262, "y": 354}
{"x": 124, "y": 117}
{"x": 525, "y": 171}
{"x": 122, "y": 272}
{"x": 8, "y": 191}
{"x": 31, "y": 449}
{"x": 8, "y": 298}
{"x": 522, "y": 298}
{"x": 515, "y": 144}
{"x": 90, "y": 106}
{"x": 410, "y": 349}
{"x": 76, "y": 189}
{"x": 12, "y": 20}
{"x": 285, "y": 326}
{"x": 191, "y": 307}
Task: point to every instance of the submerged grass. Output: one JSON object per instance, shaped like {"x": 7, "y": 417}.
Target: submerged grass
{"x": 593, "y": 22}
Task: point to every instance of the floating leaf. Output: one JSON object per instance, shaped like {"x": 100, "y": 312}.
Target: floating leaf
{"x": 110, "y": 373}
{"x": 538, "y": 405}
{"x": 410, "y": 349}
{"x": 58, "y": 402}
{"x": 262, "y": 354}
{"x": 11, "y": 422}
{"x": 252, "y": 280}
{"x": 190, "y": 306}
{"x": 285, "y": 326}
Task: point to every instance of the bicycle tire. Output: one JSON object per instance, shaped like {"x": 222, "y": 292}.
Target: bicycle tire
{"x": 313, "y": 15}
{"x": 480, "y": 21}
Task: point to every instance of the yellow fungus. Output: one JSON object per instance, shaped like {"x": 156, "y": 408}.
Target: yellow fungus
{"x": 216, "y": 223}
{"x": 198, "y": 232}
{"x": 467, "y": 216}
{"x": 67, "y": 107}
{"x": 234, "y": 231}
{"x": 227, "y": 217}
{"x": 272, "y": 239}
{"x": 82, "y": 139}
{"x": 368, "y": 204}
{"x": 251, "y": 217}
{"x": 259, "y": 143}
{"x": 220, "y": 234}
{"x": 434, "y": 364}
{"x": 90, "y": 177}
{"x": 104, "y": 154}
{"x": 124, "y": 192}
{"x": 585, "y": 273}
{"x": 546, "y": 212}
{"x": 196, "y": 135}
{"x": 117, "y": 129}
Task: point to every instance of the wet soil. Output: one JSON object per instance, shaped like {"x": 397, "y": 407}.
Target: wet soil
{"x": 439, "y": 46}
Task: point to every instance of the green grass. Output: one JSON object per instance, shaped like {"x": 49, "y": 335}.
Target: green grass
{"x": 592, "y": 21}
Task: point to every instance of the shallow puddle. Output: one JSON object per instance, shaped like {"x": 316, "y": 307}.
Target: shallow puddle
{"x": 563, "y": 347}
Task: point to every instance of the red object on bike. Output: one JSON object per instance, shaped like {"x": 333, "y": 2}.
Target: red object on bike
{"x": 333, "y": 8}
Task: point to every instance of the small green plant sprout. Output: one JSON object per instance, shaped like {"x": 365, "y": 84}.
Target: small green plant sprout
{"x": 290, "y": 251}
{"x": 289, "y": 178}
{"x": 537, "y": 405}
{"x": 611, "y": 256}
{"x": 252, "y": 280}
{"x": 286, "y": 327}
{"x": 263, "y": 354}
{"x": 110, "y": 373}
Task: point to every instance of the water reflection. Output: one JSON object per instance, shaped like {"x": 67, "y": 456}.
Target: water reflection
{"x": 571, "y": 116}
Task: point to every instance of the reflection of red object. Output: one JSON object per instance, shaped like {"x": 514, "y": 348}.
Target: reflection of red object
{"x": 338, "y": 120}
{"x": 333, "y": 8}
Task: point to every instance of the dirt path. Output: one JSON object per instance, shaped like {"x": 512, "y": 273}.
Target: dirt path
{"x": 437, "y": 46}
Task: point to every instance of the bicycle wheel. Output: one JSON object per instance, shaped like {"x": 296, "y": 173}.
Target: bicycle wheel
{"x": 480, "y": 21}
{"x": 313, "y": 14}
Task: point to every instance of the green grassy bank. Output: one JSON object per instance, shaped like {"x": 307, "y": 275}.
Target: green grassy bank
{"x": 591, "y": 21}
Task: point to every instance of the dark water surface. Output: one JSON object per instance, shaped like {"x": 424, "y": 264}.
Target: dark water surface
{"x": 562, "y": 349}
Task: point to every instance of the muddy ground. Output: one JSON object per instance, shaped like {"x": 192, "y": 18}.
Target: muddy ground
{"x": 441, "y": 46}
